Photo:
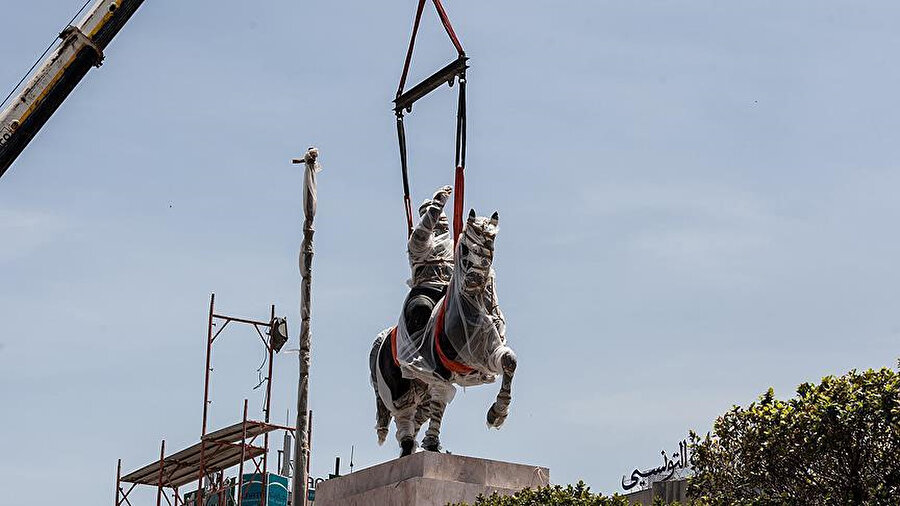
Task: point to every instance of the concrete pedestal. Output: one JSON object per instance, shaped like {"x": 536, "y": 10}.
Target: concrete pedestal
{"x": 428, "y": 479}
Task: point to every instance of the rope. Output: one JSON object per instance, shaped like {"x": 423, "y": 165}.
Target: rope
{"x": 41, "y": 57}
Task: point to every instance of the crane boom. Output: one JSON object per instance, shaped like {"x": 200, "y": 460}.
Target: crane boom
{"x": 81, "y": 48}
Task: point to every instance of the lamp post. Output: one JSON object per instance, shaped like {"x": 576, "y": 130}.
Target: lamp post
{"x": 301, "y": 445}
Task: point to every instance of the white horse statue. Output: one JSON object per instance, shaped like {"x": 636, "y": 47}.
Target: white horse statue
{"x": 463, "y": 344}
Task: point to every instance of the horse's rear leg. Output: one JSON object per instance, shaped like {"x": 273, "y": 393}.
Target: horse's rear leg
{"x": 382, "y": 419}
{"x": 423, "y": 412}
{"x": 382, "y": 413}
{"x": 498, "y": 412}
{"x": 405, "y": 421}
{"x": 441, "y": 395}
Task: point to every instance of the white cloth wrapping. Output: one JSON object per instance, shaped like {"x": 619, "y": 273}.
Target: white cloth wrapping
{"x": 430, "y": 246}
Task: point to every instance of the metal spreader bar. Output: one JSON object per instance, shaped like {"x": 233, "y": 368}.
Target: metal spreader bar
{"x": 449, "y": 74}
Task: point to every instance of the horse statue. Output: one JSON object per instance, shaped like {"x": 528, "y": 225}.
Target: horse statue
{"x": 464, "y": 343}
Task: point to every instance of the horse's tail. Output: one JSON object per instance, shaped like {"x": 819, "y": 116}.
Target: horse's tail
{"x": 382, "y": 413}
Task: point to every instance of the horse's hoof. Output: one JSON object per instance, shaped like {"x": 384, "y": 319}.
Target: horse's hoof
{"x": 431, "y": 444}
{"x": 495, "y": 418}
{"x": 407, "y": 446}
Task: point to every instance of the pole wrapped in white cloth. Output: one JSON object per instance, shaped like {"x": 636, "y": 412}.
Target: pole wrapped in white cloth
{"x": 301, "y": 446}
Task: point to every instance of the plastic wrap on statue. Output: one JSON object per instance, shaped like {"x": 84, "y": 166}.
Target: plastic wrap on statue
{"x": 463, "y": 343}
{"x": 430, "y": 245}
{"x": 461, "y": 337}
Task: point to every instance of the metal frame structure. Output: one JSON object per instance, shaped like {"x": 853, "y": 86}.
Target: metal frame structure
{"x": 454, "y": 71}
{"x": 217, "y": 451}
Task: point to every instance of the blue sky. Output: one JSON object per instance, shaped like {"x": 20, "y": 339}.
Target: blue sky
{"x": 697, "y": 201}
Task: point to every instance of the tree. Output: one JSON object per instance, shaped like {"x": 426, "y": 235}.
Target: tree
{"x": 836, "y": 442}
{"x": 554, "y": 495}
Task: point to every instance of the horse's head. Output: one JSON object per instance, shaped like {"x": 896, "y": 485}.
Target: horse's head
{"x": 475, "y": 252}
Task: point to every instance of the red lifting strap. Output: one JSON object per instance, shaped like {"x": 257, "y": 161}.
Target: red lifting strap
{"x": 394, "y": 345}
{"x": 459, "y": 193}
{"x": 449, "y": 363}
{"x": 447, "y": 26}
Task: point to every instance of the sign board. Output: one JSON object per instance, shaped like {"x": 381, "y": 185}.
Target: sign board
{"x": 675, "y": 467}
{"x": 276, "y": 493}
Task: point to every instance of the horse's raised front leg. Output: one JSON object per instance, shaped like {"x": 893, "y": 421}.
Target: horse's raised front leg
{"x": 441, "y": 395}
{"x": 498, "y": 411}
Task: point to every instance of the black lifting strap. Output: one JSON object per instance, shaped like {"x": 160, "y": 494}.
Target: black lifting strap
{"x": 405, "y": 100}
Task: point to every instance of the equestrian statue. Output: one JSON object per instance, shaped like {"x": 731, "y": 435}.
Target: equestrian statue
{"x": 450, "y": 332}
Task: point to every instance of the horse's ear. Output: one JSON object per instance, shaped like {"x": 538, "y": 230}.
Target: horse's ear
{"x": 471, "y": 215}
{"x": 495, "y": 218}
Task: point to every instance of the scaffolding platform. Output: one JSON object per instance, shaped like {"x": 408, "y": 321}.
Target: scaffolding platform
{"x": 234, "y": 447}
{"x": 224, "y": 449}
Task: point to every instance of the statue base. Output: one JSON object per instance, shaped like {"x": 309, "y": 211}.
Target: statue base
{"x": 429, "y": 479}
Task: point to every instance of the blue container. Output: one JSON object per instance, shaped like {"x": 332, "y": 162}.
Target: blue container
{"x": 276, "y": 493}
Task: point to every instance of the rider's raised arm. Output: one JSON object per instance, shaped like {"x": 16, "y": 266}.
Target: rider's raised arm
{"x": 421, "y": 239}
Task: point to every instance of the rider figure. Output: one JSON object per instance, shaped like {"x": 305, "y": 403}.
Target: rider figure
{"x": 430, "y": 251}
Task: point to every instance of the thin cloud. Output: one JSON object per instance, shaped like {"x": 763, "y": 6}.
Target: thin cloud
{"x": 26, "y": 231}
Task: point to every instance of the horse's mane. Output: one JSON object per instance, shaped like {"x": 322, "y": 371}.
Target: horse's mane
{"x": 473, "y": 270}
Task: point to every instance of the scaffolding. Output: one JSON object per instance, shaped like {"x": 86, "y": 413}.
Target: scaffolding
{"x": 216, "y": 452}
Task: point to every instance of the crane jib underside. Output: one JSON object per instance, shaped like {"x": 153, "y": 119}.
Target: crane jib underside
{"x": 81, "y": 48}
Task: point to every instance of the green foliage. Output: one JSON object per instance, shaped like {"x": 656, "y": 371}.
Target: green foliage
{"x": 837, "y": 442}
{"x": 553, "y": 495}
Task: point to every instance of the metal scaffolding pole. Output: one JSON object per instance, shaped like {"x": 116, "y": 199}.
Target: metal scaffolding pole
{"x": 301, "y": 445}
